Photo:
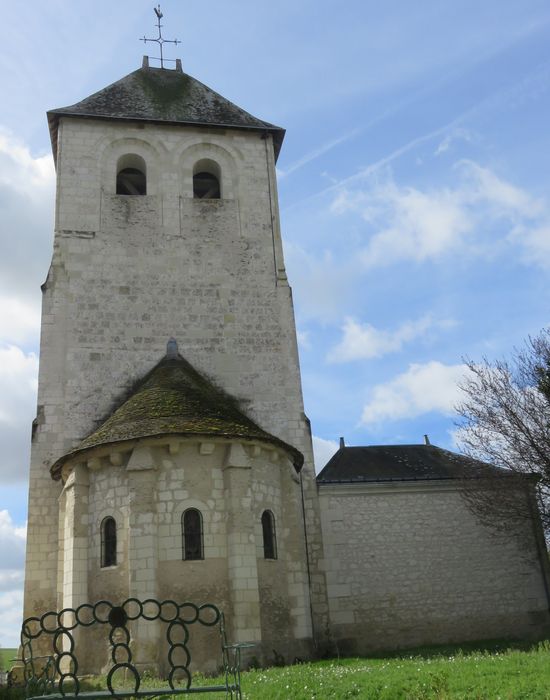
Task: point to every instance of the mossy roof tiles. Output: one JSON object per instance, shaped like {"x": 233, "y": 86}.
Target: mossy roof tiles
{"x": 163, "y": 96}
{"x": 175, "y": 399}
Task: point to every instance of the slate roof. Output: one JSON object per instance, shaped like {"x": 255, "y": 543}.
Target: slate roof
{"x": 175, "y": 399}
{"x": 163, "y": 96}
{"x": 401, "y": 463}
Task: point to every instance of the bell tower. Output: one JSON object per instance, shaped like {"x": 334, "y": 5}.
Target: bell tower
{"x": 167, "y": 227}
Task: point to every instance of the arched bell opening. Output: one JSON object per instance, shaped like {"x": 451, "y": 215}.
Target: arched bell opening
{"x": 131, "y": 178}
{"x": 207, "y": 180}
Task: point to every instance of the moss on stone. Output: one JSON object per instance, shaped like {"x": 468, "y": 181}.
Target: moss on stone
{"x": 163, "y": 96}
{"x": 175, "y": 399}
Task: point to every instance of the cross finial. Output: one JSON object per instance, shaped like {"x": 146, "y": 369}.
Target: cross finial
{"x": 159, "y": 39}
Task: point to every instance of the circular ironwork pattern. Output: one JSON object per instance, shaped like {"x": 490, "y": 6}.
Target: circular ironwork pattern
{"x": 149, "y": 602}
{"x": 118, "y": 617}
{"x": 27, "y": 630}
{"x": 193, "y": 608}
{"x": 173, "y": 649}
{"x": 165, "y": 614}
{"x": 206, "y": 610}
{"x": 63, "y": 634}
{"x": 115, "y": 668}
{"x": 97, "y": 618}
{"x": 72, "y": 663}
{"x": 43, "y": 624}
{"x": 75, "y": 685}
{"x": 132, "y": 601}
{"x": 59, "y": 625}
{"x": 173, "y": 671}
{"x": 79, "y": 615}
{"x": 67, "y": 612}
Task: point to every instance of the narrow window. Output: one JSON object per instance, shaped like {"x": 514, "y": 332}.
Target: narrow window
{"x": 131, "y": 175}
{"x": 206, "y": 180}
{"x": 268, "y": 531}
{"x": 108, "y": 542}
{"x": 191, "y": 523}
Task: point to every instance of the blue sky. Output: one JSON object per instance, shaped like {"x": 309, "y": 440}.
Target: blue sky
{"x": 414, "y": 186}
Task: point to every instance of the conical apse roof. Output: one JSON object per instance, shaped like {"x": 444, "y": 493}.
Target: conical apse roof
{"x": 175, "y": 399}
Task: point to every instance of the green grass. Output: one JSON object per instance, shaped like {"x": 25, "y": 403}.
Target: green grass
{"x": 513, "y": 674}
{"x": 6, "y": 655}
{"x": 471, "y": 672}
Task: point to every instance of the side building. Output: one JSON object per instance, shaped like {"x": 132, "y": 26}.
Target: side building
{"x": 409, "y": 563}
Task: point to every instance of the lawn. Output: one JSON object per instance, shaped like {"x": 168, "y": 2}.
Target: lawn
{"x": 505, "y": 672}
{"x": 513, "y": 674}
{"x": 6, "y": 655}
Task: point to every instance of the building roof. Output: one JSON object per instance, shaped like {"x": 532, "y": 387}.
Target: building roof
{"x": 175, "y": 399}
{"x": 401, "y": 463}
{"x": 163, "y": 96}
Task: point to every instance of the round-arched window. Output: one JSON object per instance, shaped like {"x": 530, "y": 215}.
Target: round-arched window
{"x": 268, "y": 533}
{"x": 108, "y": 542}
{"x": 131, "y": 177}
{"x": 206, "y": 180}
{"x": 192, "y": 541}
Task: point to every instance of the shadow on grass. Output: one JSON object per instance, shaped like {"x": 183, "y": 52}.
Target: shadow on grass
{"x": 487, "y": 646}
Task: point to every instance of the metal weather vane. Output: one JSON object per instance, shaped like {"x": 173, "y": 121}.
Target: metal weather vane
{"x": 159, "y": 39}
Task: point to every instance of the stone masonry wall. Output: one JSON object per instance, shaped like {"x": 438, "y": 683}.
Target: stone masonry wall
{"x": 266, "y": 601}
{"x": 409, "y": 564}
{"x": 129, "y": 272}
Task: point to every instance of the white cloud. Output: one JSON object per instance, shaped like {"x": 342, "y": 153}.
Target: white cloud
{"x": 322, "y": 284}
{"x": 303, "y": 340}
{"x": 363, "y": 341}
{"x": 409, "y": 224}
{"x": 19, "y": 320}
{"x": 482, "y": 185}
{"x": 20, "y": 170}
{"x": 12, "y": 558}
{"x": 18, "y": 385}
{"x": 27, "y": 185}
{"x": 481, "y": 214}
{"x": 534, "y": 244}
{"x": 12, "y": 579}
{"x": 11, "y": 614}
{"x": 323, "y": 451}
{"x": 423, "y": 388}
{"x": 12, "y": 544}
{"x": 458, "y": 134}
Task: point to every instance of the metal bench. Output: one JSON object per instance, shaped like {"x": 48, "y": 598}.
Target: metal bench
{"x": 55, "y": 674}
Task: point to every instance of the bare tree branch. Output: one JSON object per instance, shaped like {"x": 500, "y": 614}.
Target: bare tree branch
{"x": 505, "y": 421}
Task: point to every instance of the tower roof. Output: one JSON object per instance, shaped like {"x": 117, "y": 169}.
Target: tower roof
{"x": 163, "y": 96}
{"x": 175, "y": 399}
{"x": 380, "y": 463}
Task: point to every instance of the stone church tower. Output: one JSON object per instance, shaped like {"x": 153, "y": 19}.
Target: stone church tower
{"x": 171, "y": 456}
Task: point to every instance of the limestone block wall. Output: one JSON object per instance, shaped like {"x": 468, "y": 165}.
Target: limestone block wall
{"x": 146, "y": 487}
{"x": 285, "y": 600}
{"x": 408, "y": 564}
{"x": 127, "y": 273}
